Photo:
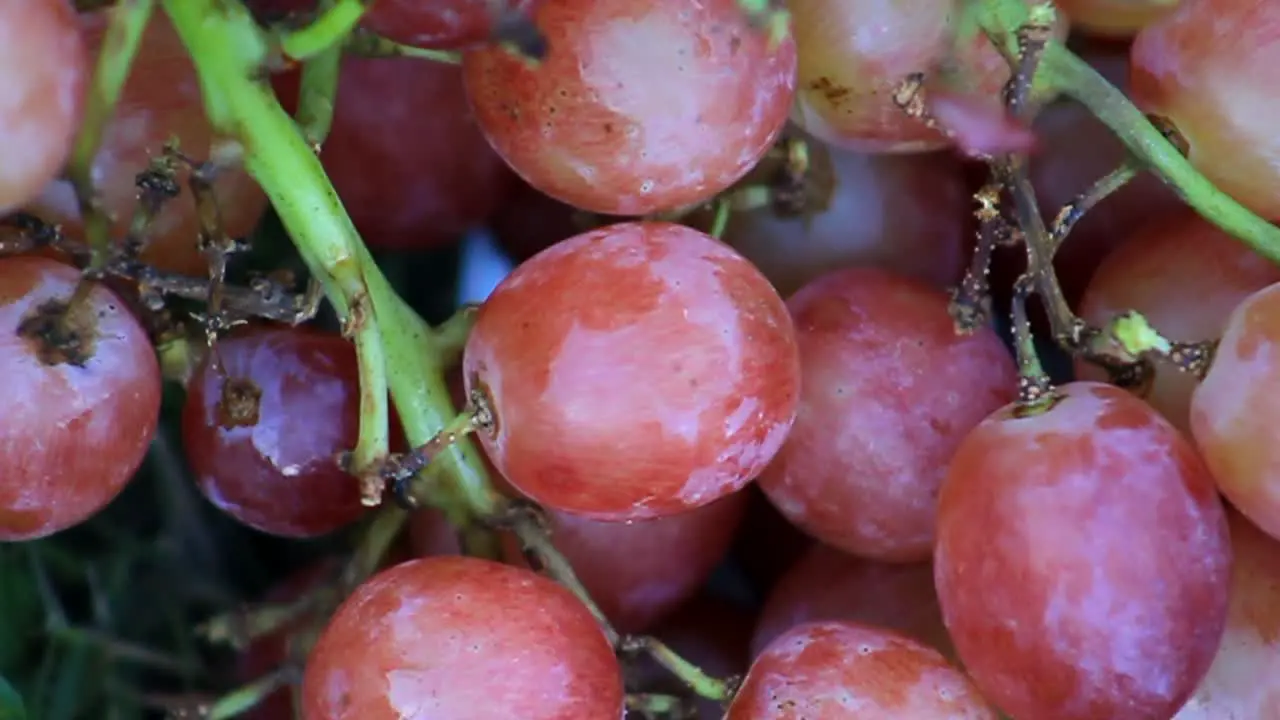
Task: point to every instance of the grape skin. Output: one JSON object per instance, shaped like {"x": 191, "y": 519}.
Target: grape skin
{"x": 453, "y": 637}
{"x": 640, "y": 106}
{"x": 43, "y": 72}
{"x": 889, "y": 390}
{"x": 635, "y": 371}
{"x": 72, "y": 435}
{"x": 1186, "y": 277}
{"x": 1234, "y": 411}
{"x": 274, "y": 472}
{"x": 1210, "y": 66}
{"x": 1083, "y": 560}
{"x": 844, "y": 671}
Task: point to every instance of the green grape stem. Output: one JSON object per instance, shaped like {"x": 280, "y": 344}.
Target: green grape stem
{"x": 1060, "y": 71}
{"x": 329, "y": 30}
{"x": 229, "y": 50}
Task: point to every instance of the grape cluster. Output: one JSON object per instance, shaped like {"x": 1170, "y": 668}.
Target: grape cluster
{"x": 748, "y": 334}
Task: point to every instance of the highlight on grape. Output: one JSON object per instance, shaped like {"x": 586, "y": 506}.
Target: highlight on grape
{"x": 639, "y": 359}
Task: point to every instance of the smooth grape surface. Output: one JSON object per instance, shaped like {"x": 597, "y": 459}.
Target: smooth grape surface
{"x": 1186, "y": 277}
{"x": 901, "y": 213}
{"x": 1241, "y": 684}
{"x": 452, "y": 637}
{"x": 889, "y": 390}
{"x": 72, "y": 435}
{"x": 408, "y": 161}
{"x": 1234, "y": 411}
{"x": 1211, "y": 67}
{"x": 263, "y": 427}
{"x": 43, "y": 72}
{"x": 1083, "y": 560}
{"x": 845, "y": 671}
{"x": 640, "y": 105}
{"x": 635, "y": 371}
{"x": 639, "y": 572}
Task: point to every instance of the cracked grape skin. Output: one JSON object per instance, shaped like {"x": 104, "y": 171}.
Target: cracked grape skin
{"x": 634, "y": 371}
{"x": 890, "y": 390}
{"x": 640, "y": 106}
{"x": 837, "y": 670}
{"x": 45, "y": 70}
{"x": 1083, "y": 560}
{"x": 453, "y": 637}
{"x": 73, "y": 435}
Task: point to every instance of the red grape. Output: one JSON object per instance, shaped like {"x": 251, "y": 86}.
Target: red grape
{"x": 844, "y": 671}
{"x": 827, "y": 584}
{"x": 1078, "y": 149}
{"x": 1209, "y": 67}
{"x": 404, "y": 153}
{"x": 77, "y": 424}
{"x": 1241, "y": 682}
{"x": 852, "y": 53}
{"x": 638, "y": 572}
{"x": 266, "y": 415}
{"x": 453, "y": 637}
{"x": 44, "y": 66}
{"x": 890, "y": 389}
{"x": 634, "y": 371}
{"x": 1114, "y": 18}
{"x": 161, "y": 100}
{"x": 1234, "y": 413}
{"x": 709, "y": 633}
{"x": 1083, "y": 559}
{"x": 639, "y": 106}
{"x": 1185, "y": 276}
{"x": 440, "y": 24}
{"x": 902, "y": 213}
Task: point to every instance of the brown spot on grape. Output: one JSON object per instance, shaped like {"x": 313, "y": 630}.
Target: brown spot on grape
{"x": 833, "y": 93}
{"x": 240, "y": 403}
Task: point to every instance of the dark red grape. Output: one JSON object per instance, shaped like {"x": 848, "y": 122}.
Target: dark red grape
{"x": 404, "y": 153}
{"x": 266, "y": 415}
